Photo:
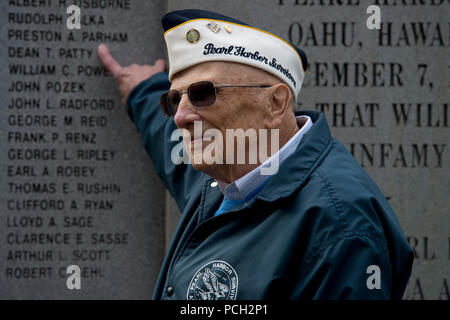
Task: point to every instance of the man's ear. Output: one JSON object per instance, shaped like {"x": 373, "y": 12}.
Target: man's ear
{"x": 279, "y": 102}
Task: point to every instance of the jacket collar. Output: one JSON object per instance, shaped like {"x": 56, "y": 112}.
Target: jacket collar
{"x": 292, "y": 174}
{"x": 245, "y": 187}
{"x": 296, "y": 169}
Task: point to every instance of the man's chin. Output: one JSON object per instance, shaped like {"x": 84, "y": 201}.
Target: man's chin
{"x": 208, "y": 169}
{"x": 205, "y": 166}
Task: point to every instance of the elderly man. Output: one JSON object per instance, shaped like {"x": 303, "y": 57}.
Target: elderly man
{"x": 315, "y": 227}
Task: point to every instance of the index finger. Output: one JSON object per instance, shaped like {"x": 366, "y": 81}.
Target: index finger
{"x": 108, "y": 60}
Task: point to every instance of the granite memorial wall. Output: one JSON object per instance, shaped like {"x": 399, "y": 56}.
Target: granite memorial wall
{"x": 76, "y": 187}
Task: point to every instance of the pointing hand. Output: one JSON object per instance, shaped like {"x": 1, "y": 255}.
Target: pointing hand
{"x": 128, "y": 77}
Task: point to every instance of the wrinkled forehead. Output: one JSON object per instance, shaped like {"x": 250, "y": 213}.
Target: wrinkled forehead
{"x": 222, "y": 73}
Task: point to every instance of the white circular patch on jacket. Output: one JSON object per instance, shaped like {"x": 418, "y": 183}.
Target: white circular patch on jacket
{"x": 216, "y": 280}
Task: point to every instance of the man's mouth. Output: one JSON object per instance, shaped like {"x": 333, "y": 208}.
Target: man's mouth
{"x": 203, "y": 138}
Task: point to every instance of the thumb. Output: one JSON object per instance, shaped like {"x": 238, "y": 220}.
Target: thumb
{"x": 108, "y": 60}
{"x": 160, "y": 64}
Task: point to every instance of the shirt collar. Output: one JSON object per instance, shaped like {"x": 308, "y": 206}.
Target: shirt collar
{"x": 245, "y": 185}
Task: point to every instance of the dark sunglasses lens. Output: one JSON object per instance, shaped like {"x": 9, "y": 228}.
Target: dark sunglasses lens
{"x": 202, "y": 93}
{"x": 169, "y": 102}
{"x": 163, "y": 104}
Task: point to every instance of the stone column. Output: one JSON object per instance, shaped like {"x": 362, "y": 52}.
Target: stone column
{"x": 77, "y": 187}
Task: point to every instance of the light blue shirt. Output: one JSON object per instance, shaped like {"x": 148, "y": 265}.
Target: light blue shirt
{"x": 248, "y": 186}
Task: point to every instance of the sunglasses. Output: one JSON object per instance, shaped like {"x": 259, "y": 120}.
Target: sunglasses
{"x": 201, "y": 94}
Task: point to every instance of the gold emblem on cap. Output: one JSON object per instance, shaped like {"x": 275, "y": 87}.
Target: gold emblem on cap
{"x": 193, "y": 36}
{"x": 213, "y": 26}
{"x": 228, "y": 28}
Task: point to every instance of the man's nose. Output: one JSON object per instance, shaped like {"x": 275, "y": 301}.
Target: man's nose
{"x": 186, "y": 113}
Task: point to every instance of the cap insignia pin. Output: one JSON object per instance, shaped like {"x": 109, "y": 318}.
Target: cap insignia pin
{"x": 193, "y": 36}
{"x": 228, "y": 28}
{"x": 214, "y": 27}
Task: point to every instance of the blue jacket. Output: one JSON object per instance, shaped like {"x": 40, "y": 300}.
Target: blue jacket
{"x": 319, "y": 229}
